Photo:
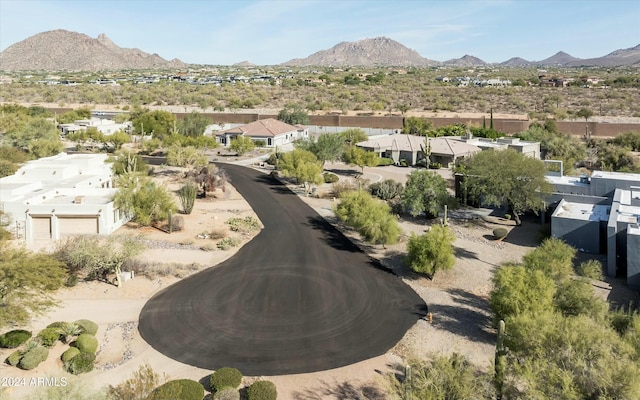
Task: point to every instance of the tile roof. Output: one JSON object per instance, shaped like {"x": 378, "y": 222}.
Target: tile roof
{"x": 262, "y": 128}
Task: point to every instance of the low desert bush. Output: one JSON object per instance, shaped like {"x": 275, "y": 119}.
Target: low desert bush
{"x": 262, "y": 390}
{"x": 227, "y": 394}
{"x": 69, "y": 354}
{"x": 243, "y": 225}
{"x": 153, "y": 270}
{"x": 183, "y": 389}
{"x": 341, "y": 187}
{"x": 14, "y": 358}
{"x": 499, "y": 233}
{"x": 15, "y": 338}
{"x": 48, "y": 336}
{"x": 208, "y": 247}
{"x": 384, "y": 161}
{"x": 225, "y": 378}
{"x": 86, "y": 343}
{"x": 87, "y": 326}
{"x": 591, "y": 269}
{"x": 33, "y": 357}
{"x": 330, "y": 178}
{"x": 227, "y": 243}
{"x": 80, "y": 364}
{"x": 386, "y": 190}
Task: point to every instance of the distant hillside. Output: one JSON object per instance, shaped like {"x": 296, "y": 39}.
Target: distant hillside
{"x": 64, "y": 50}
{"x": 625, "y": 57}
{"x": 465, "y": 61}
{"x": 379, "y": 51}
{"x": 559, "y": 59}
{"x": 516, "y": 62}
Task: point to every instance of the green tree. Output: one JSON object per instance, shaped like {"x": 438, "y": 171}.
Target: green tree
{"x": 612, "y": 157}
{"x": 159, "y": 123}
{"x": 353, "y": 136}
{"x": 143, "y": 199}
{"x": 242, "y": 145}
{"x": 26, "y": 283}
{"x": 362, "y": 158}
{"x": 293, "y": 114}
{"x": 417, "y": 126}
{"x": 96, "y": 257}
{"x": 186, "y": 157}
{"x": 194, "y": 124}
{"x": 301, "y": 165}
{"x": 370, "y": 217}
{"x": 553, "y": 257}
{"x": 425, "y": 192}
{"x": 432, "y": 251}
{"x": 584, "y": 113}
{"x": 500, "y": 177}
{"x": 116, "y": 139}
{"x": 327, "y": 147}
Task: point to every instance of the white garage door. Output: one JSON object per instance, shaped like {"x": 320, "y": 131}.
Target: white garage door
{"x": 68, "y": 226}
{"x": 41, "y": 227}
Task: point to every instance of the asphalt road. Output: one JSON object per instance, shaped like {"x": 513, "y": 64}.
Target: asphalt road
{"x": 299, "y": 297}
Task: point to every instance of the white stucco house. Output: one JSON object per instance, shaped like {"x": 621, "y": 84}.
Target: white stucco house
{"x": 105, "y": 126}
{"x": 271, "y": 131}
{"x": 59, "y": 196}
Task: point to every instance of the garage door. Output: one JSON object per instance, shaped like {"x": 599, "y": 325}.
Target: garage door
{"x": 68, "y": 226}
{"x": 41, "y": 227}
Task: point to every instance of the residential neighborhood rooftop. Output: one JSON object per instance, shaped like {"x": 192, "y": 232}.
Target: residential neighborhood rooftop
{"x": 586, "y": 212}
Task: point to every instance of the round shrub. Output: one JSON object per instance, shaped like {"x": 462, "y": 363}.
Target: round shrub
{"x": 69, "y": 354}
{"x": 33, "y": 357}
{"x": 15, "y": 338}
{"x": 183, "y": 389}
{"x": 80, "y": 364}
{"x": 499, "y": 233}
{"x": 225, "y": 378}
{"x": 57, "y": 324}
{"x": 14, "y": 358}
{"x": 86, "y": 343}
{"x": 330, "y": 178}
{"x": 227, "y": 394}
{"x": 383, "y": 161}
{"x": 262, "y": 390}
{"x": 48, "y": 336}
{"x": 87, "y": 326}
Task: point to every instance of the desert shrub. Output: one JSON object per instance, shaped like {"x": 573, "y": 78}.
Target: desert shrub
{"x": 227, "y": 243}
{"x": 342, "y": 187}
{"x": 86, "y": 343}
{"x": 87, "y": 326}
{"x": 57, "y": 324}
{"x": 260, "y": 143}
{"x": 383, "y": 161}
{"x": 227, "y": 394}
{"x": 216, "y": 234}
{"x": 273, "y": 159}
{"x": 15, "y": 338}
{"x": 387, "y": 189}
{"x": 69, "y": 354}
{"x": 225, "y": 378}
{"x": 243, "y": 225}
{"x": 14, "y": 358}
{"x": 435, "y": 165}
{"x": 183, "y": 389}
{"x": 262, "y": 390}
{"x": 138, "y": 387}
{"x": 80, "y": 364}
{"x": 330, "y": 178}
{"x": 48, "y": 336}
{"x": 500, "y": 233}
{"x": 33, "y": 358}
{"x": 187, "y": 195}
{"x": 177, "y": 223}
{"x": 591, "y": 269}
{"x": 208, "y": 247}
{"x": 71, "y": 281}
{"x": 403, "y": 163}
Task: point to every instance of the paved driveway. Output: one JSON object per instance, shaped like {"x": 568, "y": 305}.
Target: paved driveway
{"x": 298, "y": 298}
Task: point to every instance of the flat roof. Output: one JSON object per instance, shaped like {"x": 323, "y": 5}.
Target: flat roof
{"x": 69, "y": 199}
{"x": 633, "y": 229}
{"x": 622, "y": 176}
{"x": 565, "y": 180}
{"x": 584, "y": 212}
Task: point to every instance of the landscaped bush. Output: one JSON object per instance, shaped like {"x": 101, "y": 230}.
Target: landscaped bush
{"x": 403, "y": 163}
{"x": 33, "y": 357}
{"x": 182, "y": 389}
{"x": 14, "y": 358}
{"x": 80, "y": 364}
{"x": 383, "y": 161}
{"x": 387, "y": 189}
{"x": 69, "y": 354}
{"x": 499, "y": 233}
{"x": 330, "y": 178}
{"x": 435, "y": 165}
{"x": 48, "y": 336}
{"x": 15, "y": 338}
{"x": 591, "y": 269}
{"x": 227, "y": 394}
{"x": 86, "y": 343}
{"x": 57, "y": 324}
{"x": 225, "y": 378}
{"x": 243, "y": 225}
{"x": 228, "y": 243}
{"x": 262, "y": 390}
{"x": 87, "y": 326}
{"x": 342, "y": 187}
{"x": 273, "y": 159}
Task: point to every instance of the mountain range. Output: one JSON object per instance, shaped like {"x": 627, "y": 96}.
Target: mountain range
{"x": 61, "y": 50}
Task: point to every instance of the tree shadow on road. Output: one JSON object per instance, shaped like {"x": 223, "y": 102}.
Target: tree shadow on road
{"x": 332, "y": 236}
{"x": 469, "y": 317}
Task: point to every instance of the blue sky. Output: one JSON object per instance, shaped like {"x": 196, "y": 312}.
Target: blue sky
{"x": 275, "y": 31}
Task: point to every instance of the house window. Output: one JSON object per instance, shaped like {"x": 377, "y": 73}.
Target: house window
{"x": 269, "y": 142}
